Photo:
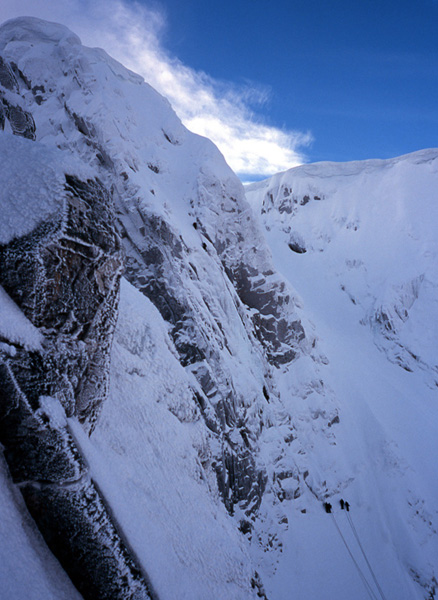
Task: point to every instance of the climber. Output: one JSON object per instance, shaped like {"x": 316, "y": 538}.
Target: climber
{"x": 347, "y": 506}
{"x": 342, "y": 503}
{"x": 328, "y": 507}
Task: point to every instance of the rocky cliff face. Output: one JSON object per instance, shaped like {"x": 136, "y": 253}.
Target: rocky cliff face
{"x": 152, "y": 166}
{"x": 191, "y": 247}
{"x": 64, "y": 275}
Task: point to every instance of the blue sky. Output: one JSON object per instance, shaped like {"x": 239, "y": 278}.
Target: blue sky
{"x": 277, "y": 83}
{"x": 361, "y": 76}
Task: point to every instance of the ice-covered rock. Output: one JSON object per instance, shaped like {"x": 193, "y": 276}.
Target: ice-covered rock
{"x": 191, "y": 245}
{"x": 60, "y": 269}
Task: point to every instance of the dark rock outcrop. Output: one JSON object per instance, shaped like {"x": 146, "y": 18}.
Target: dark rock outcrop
{"x": 65, "y": 277}
{"x": 20, "y": 120}
{"x": 277, "y": 332}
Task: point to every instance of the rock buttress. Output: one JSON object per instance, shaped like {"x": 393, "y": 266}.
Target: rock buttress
{"x": 65, "y": 277}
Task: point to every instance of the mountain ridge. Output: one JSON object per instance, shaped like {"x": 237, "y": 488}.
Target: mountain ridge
{"x": 220, "y": 393}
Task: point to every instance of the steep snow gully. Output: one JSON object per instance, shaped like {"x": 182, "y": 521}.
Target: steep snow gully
{"x": 191, "y": 372}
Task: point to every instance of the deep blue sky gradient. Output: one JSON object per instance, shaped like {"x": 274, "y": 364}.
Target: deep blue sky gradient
{"x": 361, "y": 75}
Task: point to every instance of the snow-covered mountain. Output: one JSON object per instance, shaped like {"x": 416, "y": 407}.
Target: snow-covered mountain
{"x": 174, "y": 433}
{"x": 359, "y": 242}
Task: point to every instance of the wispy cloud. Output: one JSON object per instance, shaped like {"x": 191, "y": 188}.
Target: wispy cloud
{"x": 133, "y": 34}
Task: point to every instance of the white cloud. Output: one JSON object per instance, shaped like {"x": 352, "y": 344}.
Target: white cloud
{"x": 132, "y": 34}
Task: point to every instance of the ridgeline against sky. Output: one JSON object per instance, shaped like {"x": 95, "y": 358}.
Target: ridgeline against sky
{"x": 276, "y": 84}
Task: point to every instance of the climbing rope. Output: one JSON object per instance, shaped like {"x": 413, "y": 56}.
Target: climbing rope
{"x": 353, "y": 528}
{"x": 368, "y": 588}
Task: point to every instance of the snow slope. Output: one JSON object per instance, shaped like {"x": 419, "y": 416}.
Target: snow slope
{"x": 377, "y": 234}
{"x": 156, "y": 484}
{"x": 358, "y": 240}
{"x": 27, "y": 568}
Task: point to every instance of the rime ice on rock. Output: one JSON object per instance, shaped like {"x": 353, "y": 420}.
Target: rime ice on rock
{"x": 64, "y": 275}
